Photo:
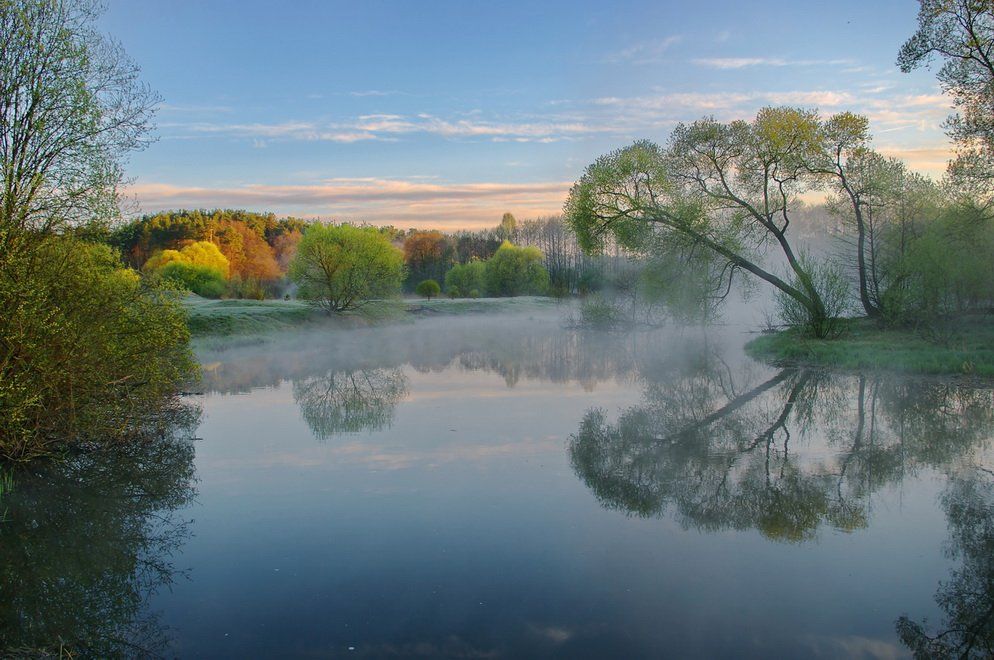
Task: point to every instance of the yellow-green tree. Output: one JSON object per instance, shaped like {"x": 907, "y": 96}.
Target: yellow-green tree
{"x": 340, "y": 267}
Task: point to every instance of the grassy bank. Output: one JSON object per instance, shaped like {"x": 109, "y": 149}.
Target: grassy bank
{"x": 223, "y": 318}
{"x": 968, "y": 348}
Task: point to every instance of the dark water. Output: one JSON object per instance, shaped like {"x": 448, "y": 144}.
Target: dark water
{"x": 507, "y": 488}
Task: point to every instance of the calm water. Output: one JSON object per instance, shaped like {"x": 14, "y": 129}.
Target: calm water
{"x": 496, "y": 487}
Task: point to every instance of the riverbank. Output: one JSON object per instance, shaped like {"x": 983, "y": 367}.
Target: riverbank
{"x": 967, "y": 349}
{"x": 225, "y": 318}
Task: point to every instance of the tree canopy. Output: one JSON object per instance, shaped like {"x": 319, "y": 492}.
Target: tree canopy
{"x": 961, "y": 34}
{"x": 340, "y": 267}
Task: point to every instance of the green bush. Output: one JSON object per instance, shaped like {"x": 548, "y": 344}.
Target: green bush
{"x": 945, "y": 268}
{"x": 428, "y": 289}
{"x": 466, "y": 277}
{"x": 835, "y": 292}
{"x": 90, "y": 351}
{"x": 515, "y": 271}
{"x": 201, "y": 280}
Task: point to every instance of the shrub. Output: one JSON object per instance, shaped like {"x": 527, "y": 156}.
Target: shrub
{"x": 600, "y": 313}
{"x": 834, "y": 290}
{"x": 514, "y": 271}
{"x": 428, "y": 289}
{"x": 201, "y": 280}
{"x": 466, "y": 277}
{"x": 90, "y": 352}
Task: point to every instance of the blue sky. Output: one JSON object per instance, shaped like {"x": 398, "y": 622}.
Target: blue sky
{"x": 446, "y": 114}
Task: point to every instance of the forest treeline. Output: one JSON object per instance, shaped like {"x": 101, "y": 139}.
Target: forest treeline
{"x": 245, "y": 254}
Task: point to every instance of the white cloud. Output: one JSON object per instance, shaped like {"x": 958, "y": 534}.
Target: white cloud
{"x": 646, "y": 52}
{"x": 743, "y": 62}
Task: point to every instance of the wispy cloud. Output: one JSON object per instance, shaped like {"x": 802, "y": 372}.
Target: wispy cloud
{"x": 645, "y": 52}
{"x": 404, "y": 202}
{"x": 389, "y": 126}
{"x": 374, "y": 92}
{"x": 743, "y": 62}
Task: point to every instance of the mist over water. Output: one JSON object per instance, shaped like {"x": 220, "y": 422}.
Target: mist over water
{"x": 506, "y": 486}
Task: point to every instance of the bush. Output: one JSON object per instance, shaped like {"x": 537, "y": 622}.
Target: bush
{"x": 946, "y": 268}
{"x": 600, "y": 313}
{"x": 90, "y": 351}
{"x": 466, "y": 277}
{"x": 515, "y": 271}
{"x": 835, "y": 291}
{"x": 428, "y": 289}
{"x": 201, "y": 280}
{"x": 454, "y": 292}
{"x": 475, "y": 293}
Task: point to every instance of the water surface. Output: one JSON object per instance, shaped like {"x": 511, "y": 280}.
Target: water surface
{"x": 495, "y": 487}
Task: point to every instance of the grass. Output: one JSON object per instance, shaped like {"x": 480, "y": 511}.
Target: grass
{"x": 968, "y": 349}
{"x": 226, "y": 318}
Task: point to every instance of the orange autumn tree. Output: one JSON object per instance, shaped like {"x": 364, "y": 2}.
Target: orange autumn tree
{"x": 427, "y": 255}
{"x": 253, "y": 264}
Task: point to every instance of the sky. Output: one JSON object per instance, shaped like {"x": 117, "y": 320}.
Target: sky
{"x": 447, "y": 114}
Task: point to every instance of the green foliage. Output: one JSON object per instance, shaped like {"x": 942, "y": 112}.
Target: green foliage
{"x": 428, "y": 289}
{"x": 89, "y": 352}
{"x": 601, "y": 313}
{"x": 201, "y": 280}
{"x": 467, "y": 277}
{"x": 514, "y": 271}
{"x": 945, "y": 267}
{"x": 961, "y": 33}
{"x": 834, "y": 290}
{"x": 199, "y": 267}
{"x": 339, "y": 267}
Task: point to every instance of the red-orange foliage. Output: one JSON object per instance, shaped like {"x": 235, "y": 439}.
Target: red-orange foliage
{"x": 249, "y": 254}
{"x": 423, "y": 248}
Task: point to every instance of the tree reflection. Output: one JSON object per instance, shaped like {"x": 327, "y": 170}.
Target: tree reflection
{"x": 784, "y": 456}
{"x": 967, "y": 598}
{"x": 87, "y": 541}
{"x": 348, "y": 401}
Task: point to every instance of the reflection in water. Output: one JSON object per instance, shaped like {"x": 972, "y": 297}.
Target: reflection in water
{"x": 345, "y": 383}
{"x": 967, "y": 598}
{"x": 784, "y": 456}
{"x": 86, "y": 543}
{"x": 350, "y": 400}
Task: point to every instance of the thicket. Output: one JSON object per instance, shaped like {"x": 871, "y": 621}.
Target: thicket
{"x": 89, "y": 351}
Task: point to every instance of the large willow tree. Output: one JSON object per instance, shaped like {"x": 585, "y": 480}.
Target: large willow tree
{"x": 730, "y": 189}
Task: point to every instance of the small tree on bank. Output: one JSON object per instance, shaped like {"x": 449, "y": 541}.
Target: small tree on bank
{"x": 428, "y": 289}
{"x": 340, "y": 267}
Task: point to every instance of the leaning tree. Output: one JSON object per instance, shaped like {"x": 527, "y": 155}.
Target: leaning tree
{"x": 729, "y": 189}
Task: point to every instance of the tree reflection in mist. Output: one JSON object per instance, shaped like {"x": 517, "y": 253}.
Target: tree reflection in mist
{"x": 967, "y": 598}
{"x": 87, "y": 542}
{"x": 796, "y": 451}
{"x": 351, "y": 400}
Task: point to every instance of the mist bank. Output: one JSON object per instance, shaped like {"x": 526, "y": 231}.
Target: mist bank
{"x": 245, "y": 319}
